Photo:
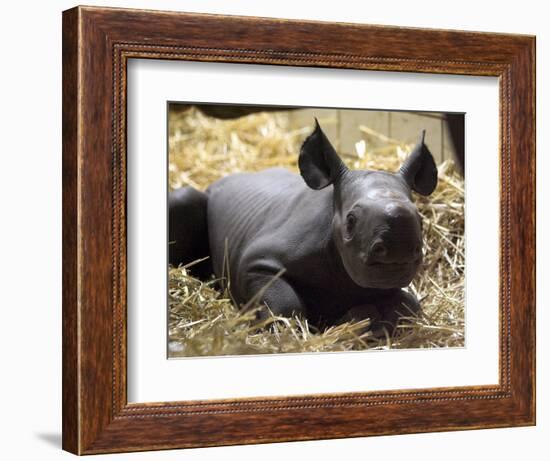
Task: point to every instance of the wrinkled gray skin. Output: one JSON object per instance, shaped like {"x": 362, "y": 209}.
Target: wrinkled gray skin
{"x": 346, "y": 241}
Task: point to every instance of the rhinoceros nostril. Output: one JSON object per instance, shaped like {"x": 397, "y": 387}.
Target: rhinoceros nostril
{"x": 378, "y": 250}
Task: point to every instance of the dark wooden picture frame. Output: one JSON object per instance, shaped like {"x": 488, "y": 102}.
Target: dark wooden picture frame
{"x": 97, "y": 43}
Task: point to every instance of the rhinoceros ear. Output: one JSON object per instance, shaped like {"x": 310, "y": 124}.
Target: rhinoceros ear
{"x": 319, "y": 163}
{"x": 419, "y": 169}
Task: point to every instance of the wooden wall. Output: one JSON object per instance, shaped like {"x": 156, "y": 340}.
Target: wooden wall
{"x": 343, "y": 127}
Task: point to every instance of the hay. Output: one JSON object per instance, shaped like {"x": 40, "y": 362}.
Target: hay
{"x": 205, "y": 321}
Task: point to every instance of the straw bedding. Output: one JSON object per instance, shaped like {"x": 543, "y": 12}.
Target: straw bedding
{"x": 204, "y": 321}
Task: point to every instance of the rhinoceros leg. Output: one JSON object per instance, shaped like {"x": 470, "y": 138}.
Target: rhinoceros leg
{"x": 396, "y": 307}
{"x": 362, "y": 312}
{"x": 276, "y": 293}
{"x": 188, "y": 230}
{"x": 384, "y": 312}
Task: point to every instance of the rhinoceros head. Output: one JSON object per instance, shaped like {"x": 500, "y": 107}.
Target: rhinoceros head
{"x": 376, "y": 226}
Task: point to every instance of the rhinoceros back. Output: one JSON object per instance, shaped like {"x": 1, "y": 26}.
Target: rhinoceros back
{"x": 244, "y": 207}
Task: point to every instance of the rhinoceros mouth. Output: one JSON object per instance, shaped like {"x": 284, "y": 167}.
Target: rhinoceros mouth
{"x": 389, "y": 274}
{"x": 394, "y": 266}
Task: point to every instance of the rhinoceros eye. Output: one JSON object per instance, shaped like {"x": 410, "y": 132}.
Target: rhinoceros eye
{"x": 351, "y": 221}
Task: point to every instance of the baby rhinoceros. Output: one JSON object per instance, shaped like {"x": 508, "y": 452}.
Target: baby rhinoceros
{"x": 333, "y": 245}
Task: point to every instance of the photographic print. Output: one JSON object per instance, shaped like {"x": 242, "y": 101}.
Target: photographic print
{"x": 248, "y": 198}
{"x": 295, "y": 229}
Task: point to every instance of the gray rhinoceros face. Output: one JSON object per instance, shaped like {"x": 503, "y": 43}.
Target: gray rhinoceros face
{"x": 377, "y": 229}
{"x": 376, "y": 226}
